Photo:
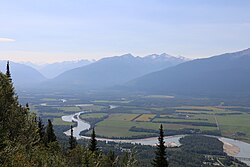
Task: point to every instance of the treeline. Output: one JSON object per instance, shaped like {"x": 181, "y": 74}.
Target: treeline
{"x": 153, "y": 132}
{"x": 198, "y": 144}
{"x": 189, "y": 123}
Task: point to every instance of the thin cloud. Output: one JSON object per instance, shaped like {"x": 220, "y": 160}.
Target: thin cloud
{"x": 7, "y": 40}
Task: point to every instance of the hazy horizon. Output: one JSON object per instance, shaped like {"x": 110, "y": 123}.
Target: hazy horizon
{"x": 55, "y": 31}
{"x": 90, "y": 60}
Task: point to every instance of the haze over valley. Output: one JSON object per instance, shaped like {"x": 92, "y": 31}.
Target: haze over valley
{"x": 216, "y": 76}
{"x": 124, "y": 83}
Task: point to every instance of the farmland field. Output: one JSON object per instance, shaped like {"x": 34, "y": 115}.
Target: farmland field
{"x": 235, "y": 126}
{"x": 58, "y": 121}
{"x": 141, "y": 116}
{"x": 93, "y": 115}
{"x": 207, "y": 120}
{"x": 69, "y": 109}
{"x": 145, "y": 117}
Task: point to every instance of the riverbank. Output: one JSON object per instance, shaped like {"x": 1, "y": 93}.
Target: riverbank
{"x": 230, "y": 149}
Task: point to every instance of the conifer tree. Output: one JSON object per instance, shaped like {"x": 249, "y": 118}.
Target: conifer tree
{"x": 41, "y": 129}
{"x": 8, "y": 88}
{"x": 93, "y": 142}
{"x": 72, "y": 139}
{"x": 8, "y": 70}
{"x": 11, "y": 111}
{"x": 50, "y": 134}
{"x": 27, "y": 106}
{"x": 160, "y": 159}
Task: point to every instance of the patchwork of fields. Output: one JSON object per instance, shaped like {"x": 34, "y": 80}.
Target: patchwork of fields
{"x": 141, "y": 117}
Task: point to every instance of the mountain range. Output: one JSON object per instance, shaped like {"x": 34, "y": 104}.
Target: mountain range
{"x": 54, "y": 69}
{"x": 221, "y": 75}
{"x": 225, "y": 75}
{"x": 112, "y": 71}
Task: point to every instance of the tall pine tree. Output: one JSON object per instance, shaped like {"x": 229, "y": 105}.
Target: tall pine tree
{"x": 93, "y": 142}
{"x": 8, "y": 70}
{"x": 160, "y": 159}
{"x": 11, "y": 111}
{"x": 50, "y": 134}
{"x": 72, "y": 139}
{"x": 41, "y": 130}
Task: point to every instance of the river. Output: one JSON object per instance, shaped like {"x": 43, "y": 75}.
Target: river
{"x": 243, "y": 148}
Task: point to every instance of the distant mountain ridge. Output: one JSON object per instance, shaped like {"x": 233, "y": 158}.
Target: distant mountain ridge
{"x": 226, "y": 74}
{"x": 221, "y": 75}
{"x": 54, "y": 69}
{"x": 113, "y": 71}
{"x": 22, "y": 75}
{"x": 166, "y": 57}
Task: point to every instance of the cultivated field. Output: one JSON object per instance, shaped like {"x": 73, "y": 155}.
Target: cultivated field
{"x": 141, "y": 116}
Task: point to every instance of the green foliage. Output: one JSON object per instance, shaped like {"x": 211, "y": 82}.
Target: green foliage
{"x": 111, "y": 159}
{"x": 20, "y": 138}
{"x": 8, "y": 70}
{"x": 93, "y": 142}
{"x": 72, "y": 139}
{"x": 198, "y": 144}
{"x": 41, "y": 130}
{"x": 160, "y": 154}
{"x": 50, "y": 134}
{"x": 129, "y": 160}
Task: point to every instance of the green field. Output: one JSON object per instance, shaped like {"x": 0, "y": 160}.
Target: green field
{"x": 116, "y": 128}
{"x": 235, "y": 126}
{"x": 142, "y": 115}
{"x": 119, "y": 125}
{"x": 204, "y": 119}
{"x": 93, "y": 115}
{"x": 49, "y": 99}
{"x": 145, "y": 117}
{"x": 56, "y": 114}
{"x": 59, "y": 121}
{"x": 93, "y": 108}
{"x": 69, "y": 109}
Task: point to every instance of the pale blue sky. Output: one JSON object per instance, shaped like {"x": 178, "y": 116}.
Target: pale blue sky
{"x": 58, "y": 30}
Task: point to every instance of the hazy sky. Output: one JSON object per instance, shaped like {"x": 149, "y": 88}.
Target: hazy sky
{"x": 57, "y": 30}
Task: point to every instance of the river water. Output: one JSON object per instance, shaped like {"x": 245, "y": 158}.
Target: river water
{"x": 81, "y": 125}
{"x": 244, "y": 148}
